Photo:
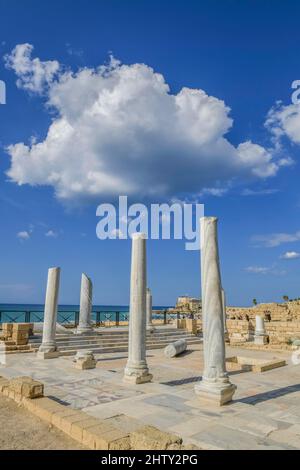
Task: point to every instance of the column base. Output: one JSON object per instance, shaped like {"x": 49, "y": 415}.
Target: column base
{"x": 260, "y": 339}
{"x": 84, "y": 331}
{"x": 48, "y": 351}
{"x": 47, "y": 355}
{"x": 137, "y": 376}
{"x": 135, "y": 379}
{"x": 215, "y": 393}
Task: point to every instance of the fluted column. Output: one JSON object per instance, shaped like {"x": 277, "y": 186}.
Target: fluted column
{"x": 136, "y": 370}
{"x": 86, "y": 296}
{"x": 149, "y": 323}
{"x": 48, "y": 349}
{"x": 215, "y": 386}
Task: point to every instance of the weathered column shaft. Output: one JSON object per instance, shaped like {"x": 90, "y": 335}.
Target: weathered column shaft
{"x": 215, "y": 384}
{"x": 136, "y": 370}
{"x": 259, "y": 325}
{"x": 48, "y": 345}
{"x": 175, "y": 348}
{"x": 86, "y": 296}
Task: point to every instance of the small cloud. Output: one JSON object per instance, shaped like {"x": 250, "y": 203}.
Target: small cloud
{"x": 265, "y": 270}
{"x": 34, "y": 75}
{"x": 259, "y": 192}
{"x": 290, "y": 255}
{"x": 257, "y": 269}
{"x": 23, "y": 235}
{"x": 72, "y": 51}
{"x": 275, "y": 239}
{"x": 51, "y": 234}
{"x": 216, "y": 192}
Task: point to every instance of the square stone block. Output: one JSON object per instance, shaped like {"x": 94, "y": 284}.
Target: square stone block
{"x": 214, "y": 394}
{"x": 137, "y": 379}
{"x": 85, "y": 364}
{"x": 151, "y": 438}
{"x": 78, "y": 427}
{"x": 260, "y": 339}
{"x": 65, "y": 412}
{"x": 47, "y": 355}
{"x": 27, "y": 387}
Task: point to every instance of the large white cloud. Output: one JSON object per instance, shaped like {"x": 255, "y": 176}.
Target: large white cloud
{"x": 119, "y": 130}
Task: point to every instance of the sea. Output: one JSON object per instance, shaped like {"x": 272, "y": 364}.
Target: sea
{"x": 19, "y": 313}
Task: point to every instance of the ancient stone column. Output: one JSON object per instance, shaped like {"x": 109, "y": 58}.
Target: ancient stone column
{"x": 86, "y": 296}
{"x": 176, "y": 348}
{"x": 48, "y": 349}
{"x": 259, "y": 325}
{"x": 260, "y": 336}
{"x": 215, "y": 386}
{"x": 136, "y": 370}
{"x": 149, "y": 324}
{"x": 226, "y": 334}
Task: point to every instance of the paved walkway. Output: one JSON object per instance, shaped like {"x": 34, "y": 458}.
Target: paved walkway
{"x": 265, "y": 413}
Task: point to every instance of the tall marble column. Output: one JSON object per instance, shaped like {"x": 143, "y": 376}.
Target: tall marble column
{"x": 226, "y": 334}
{"x": 215, "y": 386}
{"x": 136, "y": 370}
{"x": 86, "y": 296}
{"x": 48, "y": 349}
{"x": 149, "y": 323}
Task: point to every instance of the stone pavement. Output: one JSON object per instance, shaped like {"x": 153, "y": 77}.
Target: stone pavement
{"x": 265, "y": 412}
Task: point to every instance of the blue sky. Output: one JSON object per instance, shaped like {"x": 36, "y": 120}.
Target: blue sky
{"x": 244, "y": 54}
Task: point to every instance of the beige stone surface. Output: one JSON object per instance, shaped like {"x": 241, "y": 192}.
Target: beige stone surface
{"x": 150, "y": 438}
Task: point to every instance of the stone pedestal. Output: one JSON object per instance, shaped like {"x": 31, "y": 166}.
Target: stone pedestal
{"x": 149, "y": 324}
{"x": 86, "y": 295}
{"x": 48, "y": 349}
{"x": 215, "y": 387}
{"x": 84, "y": 360}
{"x": 260, "y": 336}
{"x": 260, "y": 339}
{"x": 136, "y": 370}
